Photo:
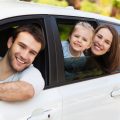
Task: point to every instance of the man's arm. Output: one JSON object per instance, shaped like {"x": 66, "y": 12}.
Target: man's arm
{"x": 16, "y": 91}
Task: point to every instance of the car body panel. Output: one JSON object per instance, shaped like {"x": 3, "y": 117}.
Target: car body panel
{"x": 90, "y": 99}
{"x": 48, "y": 102}
{"x": 12, "y": 9}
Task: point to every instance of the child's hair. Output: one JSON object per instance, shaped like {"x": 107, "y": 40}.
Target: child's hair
{"x": 84, "y": 24}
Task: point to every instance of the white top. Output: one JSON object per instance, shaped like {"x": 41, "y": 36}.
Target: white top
{"x": 30, "y": 75}
{"x": 66, "y": 50}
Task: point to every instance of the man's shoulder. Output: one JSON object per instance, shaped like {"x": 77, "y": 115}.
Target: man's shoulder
{"x": 31, "y": 68}
{"x": 29, "y": 71}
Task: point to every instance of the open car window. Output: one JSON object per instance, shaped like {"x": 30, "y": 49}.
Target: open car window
{"x": 84, "y": 67}
{"x": 6, "y": 29}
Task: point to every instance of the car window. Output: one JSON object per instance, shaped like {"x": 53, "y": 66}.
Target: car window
{"x": 78, "y": 68}
{"x": 6, "y": 31}
{"x": 117, "y": 26}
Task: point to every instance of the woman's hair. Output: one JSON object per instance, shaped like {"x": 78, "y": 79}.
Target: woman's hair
{"x": 111, "y": 60}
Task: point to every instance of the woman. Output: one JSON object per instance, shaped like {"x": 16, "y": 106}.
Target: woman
{"x": 103, "y": 56}
{"x": 105, "y": 47}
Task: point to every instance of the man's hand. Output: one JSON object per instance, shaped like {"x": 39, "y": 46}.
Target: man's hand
{"x": 16, "y": 91}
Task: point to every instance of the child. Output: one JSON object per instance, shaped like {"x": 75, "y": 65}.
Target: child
{"x": 79, "y": 40}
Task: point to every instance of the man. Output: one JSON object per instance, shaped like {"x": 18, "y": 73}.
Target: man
{"x": 19, "y": 79}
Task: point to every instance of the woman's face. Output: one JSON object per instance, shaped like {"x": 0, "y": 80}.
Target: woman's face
{"x": 102, "y": 42}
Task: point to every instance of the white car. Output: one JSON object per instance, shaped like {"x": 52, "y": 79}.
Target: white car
{"x": 92, "y": 97}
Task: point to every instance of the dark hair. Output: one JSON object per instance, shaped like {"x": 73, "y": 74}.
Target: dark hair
{"x": 33, "y": 29}
{"x": 111, "y": 60}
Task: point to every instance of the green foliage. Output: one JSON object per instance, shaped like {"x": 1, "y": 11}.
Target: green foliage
{"x": 62, "y": 3}
{"x": 64, "y": 31}
{"x": 96, "y": 8}
{"x": 116, "y": 3}
{"x": 101, "y": 7}
{"x": 106, "y": 2}
{"x": 91, "y": 7}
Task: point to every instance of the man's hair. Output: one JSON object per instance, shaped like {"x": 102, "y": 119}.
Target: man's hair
{"x": 33, "y": 29}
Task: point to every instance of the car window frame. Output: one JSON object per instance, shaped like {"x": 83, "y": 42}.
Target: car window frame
{"x": 67, "y": 18}
{"x": 46, "y": 19}
{"x": 54, "y": 61}
{"x": 116, "y": 25}
{"x": 62, "y": 81}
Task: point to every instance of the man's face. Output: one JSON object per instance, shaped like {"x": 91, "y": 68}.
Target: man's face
{"x": 22, "y": 51}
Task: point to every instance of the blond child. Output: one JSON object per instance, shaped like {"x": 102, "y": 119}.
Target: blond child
{"x": 79, "y": 40}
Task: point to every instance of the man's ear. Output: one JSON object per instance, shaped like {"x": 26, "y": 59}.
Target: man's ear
{"x": 10, "y": 42}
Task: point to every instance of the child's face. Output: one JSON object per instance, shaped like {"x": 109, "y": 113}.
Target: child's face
{"x": 80, "y": 39}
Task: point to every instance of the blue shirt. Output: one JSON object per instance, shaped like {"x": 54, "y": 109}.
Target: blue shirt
{"x": 66, "y": 50}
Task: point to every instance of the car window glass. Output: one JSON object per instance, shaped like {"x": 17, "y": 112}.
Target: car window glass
{"x": 5, "y": 33}
{"x": 78, "y": 68}
{"x": 117, "y": 26}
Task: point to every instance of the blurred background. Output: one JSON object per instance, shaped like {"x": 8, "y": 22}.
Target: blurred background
{"x": 104, "y": 7}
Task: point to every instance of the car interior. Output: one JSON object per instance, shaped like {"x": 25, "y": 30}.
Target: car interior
{"x": 40, "y": 59}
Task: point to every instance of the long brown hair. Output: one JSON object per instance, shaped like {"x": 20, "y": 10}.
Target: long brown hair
{"x": 111, "y": 60}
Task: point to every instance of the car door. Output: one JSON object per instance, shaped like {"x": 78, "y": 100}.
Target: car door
{"x": 48, "y": 104}
{"x": 93, "y": 95}
{"x": 94, "y": 99}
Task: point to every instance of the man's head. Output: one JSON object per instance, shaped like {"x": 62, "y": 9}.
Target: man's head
{"x": 24, "y": 45}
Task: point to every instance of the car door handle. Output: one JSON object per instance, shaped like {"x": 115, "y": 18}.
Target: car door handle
{"x": 115, "y": 93}
{"x": 39, "y": 114}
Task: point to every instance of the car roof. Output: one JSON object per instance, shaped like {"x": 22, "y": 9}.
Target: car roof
{"x": 16, "y": 8}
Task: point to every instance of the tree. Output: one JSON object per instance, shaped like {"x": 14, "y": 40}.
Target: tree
{"x": 75, "y": 3}
{"x": 115, "y": 12}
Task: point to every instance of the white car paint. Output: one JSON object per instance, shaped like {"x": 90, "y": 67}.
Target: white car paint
{"x": 87, "y": 100}
{"x": 25, "y": 8}
{"x": 91, "y": 100}
{"x": 48, "y": 102}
